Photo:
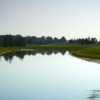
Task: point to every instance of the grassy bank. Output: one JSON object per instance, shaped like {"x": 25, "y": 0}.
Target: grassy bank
{"x": 66, "y": 46}
{"x": 8, "y": 49}
{"x": 91, "y": 52}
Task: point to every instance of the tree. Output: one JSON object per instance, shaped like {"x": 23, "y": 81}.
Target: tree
{"x": 56, "y": 40}
{"x": 43, "y": 40}
{"x": 8, "y": 41}
{"x": 71, "y": 41}
{"x": 93, "y": 40}
{"x": 63, "y": 40}
{"x": 49, "y": 40}
{"x": 0, "y": 43}
{"x": 20, "y": 42}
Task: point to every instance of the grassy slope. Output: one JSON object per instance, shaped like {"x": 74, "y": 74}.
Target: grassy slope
{"x": 91, "y": 52}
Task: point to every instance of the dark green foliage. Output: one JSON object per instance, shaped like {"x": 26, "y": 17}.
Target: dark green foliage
{"x": 93, "y": 40}
{"x": 44, "y": 40}
{"x": 20, "y": 42}
{"x": 49, "y": 40}
{"x": 63, "y": 40}
{"x": 71, "y": 41}
{"x": 84, "y": 41}
{"x": 0, "y": 43}
{"x": 56, "y": 40}
{"x": 8, "y": 41}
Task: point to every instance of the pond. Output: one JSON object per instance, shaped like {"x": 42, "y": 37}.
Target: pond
{"x": 48, "y": 75}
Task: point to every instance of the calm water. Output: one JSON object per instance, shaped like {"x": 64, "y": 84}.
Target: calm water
{"x": 48, "y": 76}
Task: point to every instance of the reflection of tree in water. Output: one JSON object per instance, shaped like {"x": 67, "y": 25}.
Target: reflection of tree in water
{"x": 33, "y": 52}
{"x": 95, "y": 95}
{"x": 49, "y": 52}
{"x": 0, "y": 57}
{"x": 21, "y": 54}
{"x": 43, "y": 52}
{"x": 63, "y": 52}
{"x": 55, "y": 52}
{"x": 8, "y": 56}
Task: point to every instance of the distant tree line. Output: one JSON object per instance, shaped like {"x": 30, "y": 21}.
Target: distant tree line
{"x": 44, "y": 40}
{"x": 10, "y": 41}
{"x": 84, "y": 41}
{"x": 18, "y": 40}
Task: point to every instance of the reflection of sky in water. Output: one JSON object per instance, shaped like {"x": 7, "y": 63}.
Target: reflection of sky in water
{"x": 54, "y": 77}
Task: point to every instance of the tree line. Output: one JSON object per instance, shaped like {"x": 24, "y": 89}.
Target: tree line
{"x": 10, "y": 41}
{"x": 84, "y": 41}
{"x": 18, "y": 40}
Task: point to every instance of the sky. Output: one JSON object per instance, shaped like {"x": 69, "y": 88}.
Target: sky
{"x": 55, "y": 18}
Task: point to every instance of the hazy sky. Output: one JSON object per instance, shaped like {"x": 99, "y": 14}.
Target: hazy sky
{"x": 56, "y": 18}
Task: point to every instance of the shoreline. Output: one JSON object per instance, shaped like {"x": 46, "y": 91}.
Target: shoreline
{"x": 16, "y": 50}
{"x": 90, "y": 52}
{"x": 84, "y": 56}
{"x": 4, "y": 52}
{"x": 78, "y": 51}
{"x": 73, "y": 53}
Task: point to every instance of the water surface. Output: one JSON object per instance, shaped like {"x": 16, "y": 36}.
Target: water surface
{"x": 31, "y": 75}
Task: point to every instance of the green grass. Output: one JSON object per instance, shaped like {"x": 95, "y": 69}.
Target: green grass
{"x": 8, "y": 49}
{"x": 63, "y": 45}
{"x": 91, "y": 52}
{"x": 66, "y": 46}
